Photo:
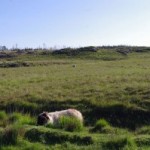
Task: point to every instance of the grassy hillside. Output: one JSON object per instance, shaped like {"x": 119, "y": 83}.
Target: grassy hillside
{"x": 109, "y": 83}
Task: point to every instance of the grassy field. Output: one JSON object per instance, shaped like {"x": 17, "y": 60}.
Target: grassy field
{"x": 105, "y": 84}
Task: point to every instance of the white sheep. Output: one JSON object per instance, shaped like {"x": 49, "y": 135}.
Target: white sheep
{"x": 74, "y": 65}
{"x": 53, "y": 117}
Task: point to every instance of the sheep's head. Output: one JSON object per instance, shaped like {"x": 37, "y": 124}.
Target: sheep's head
{"x": 42, "y": 118}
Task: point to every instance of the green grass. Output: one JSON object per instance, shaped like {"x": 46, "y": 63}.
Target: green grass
{"x": 70, "y": 124}
{"x": 105, "y": 84}
{"x": 95, "y": 81}
{"x": 2, "y": 115}
{"x": 144, "y": 130}
{"x": 9, "y": 136}
{"x": 51, "y": 136}
{"x": 25, "y": 119}
{"x": 100, "y": 125}
{"x": 126, "y": 143}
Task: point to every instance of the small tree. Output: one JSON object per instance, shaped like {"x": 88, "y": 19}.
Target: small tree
{"x": 3, "y": 48}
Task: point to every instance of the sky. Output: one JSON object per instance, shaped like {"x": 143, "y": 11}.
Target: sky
{"x": 74, "y": 23}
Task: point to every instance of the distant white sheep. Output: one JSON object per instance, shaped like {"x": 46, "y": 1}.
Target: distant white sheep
{"x": 53, "y": 117}
{"x": 74, "y": 65}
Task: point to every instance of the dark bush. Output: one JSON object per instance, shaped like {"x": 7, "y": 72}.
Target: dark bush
{"x": 74, "y": 51}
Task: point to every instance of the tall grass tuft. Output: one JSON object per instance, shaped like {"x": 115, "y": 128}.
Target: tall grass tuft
{"x": 70, "y": 124}
{"x": 9, "y": 136}
{"x": 143, "y": 130}
{"x": 100, "y": 125}
{"x": 2, "y": 115}
{"x": 22, "y": 119}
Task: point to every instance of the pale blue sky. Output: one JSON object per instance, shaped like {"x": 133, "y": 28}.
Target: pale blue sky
{"x": 30, "y": 23}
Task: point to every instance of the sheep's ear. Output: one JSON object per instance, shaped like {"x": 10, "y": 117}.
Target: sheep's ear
{"x": 45, "y": 114}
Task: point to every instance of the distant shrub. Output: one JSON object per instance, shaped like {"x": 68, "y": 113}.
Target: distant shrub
{"x": 120, "y": 144}
{"x": 70, "y": 124}
{"x": 100, "y": 125}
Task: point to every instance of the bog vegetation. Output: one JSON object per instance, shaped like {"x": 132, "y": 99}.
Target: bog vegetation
{"x": 109, "y": 85}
